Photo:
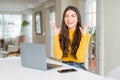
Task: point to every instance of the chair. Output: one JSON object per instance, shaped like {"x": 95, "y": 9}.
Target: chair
{"x": 15, "y": 47}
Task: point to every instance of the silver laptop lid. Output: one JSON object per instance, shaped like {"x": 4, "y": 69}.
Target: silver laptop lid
{"x": 33, "y": 56}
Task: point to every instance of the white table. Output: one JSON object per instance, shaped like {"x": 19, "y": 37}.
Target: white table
{"x": 11, "y": 69}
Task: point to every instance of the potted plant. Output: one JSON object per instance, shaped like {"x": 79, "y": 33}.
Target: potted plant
{"x": 24, "y": 24}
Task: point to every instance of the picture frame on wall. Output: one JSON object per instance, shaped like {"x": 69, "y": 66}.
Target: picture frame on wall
{"x": 38, "y": 25}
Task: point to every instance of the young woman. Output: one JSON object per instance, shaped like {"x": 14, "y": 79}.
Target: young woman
{"x": 72, "y": 39}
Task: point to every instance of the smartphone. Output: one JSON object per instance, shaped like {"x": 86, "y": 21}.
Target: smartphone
{"x": 67, "y": 70}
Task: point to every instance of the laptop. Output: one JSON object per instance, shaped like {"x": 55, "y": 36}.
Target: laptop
{"x": 34, "y": 56}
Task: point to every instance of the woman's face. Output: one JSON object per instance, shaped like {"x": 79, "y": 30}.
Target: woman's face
{"x": 71, "y": 19}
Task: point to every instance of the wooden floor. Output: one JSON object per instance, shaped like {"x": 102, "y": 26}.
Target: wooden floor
{"x": 14, "y": 54}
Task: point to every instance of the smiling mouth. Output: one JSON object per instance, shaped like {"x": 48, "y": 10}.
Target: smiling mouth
{"x": 70, "y": 23}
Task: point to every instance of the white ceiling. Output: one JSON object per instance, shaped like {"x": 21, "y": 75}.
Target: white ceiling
{"x": 18, "y": 5}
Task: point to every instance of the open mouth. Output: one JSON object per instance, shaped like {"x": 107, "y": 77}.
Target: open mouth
{"x": 70, "y": 23}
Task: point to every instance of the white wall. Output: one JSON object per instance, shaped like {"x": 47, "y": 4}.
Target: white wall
{"x": 111, "y": 15}
{"x": 36, "y": 37}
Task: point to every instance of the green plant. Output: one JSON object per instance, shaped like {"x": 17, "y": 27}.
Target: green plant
{"x": 24, "y": 23}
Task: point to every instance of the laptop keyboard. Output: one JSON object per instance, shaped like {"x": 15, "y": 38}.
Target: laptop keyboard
{"x": 50, "y": 66}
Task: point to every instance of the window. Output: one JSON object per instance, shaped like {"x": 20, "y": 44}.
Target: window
{"x": 51, "y": 18}
{"x": 10, "y": 25}
{"x": 1, "y": 26}
{"x": 91, "y": 15}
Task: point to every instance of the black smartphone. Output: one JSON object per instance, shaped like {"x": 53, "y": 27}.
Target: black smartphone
{"x": 67, "y": 70}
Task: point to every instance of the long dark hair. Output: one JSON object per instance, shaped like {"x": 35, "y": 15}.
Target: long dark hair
{"x": 64, "y": 35}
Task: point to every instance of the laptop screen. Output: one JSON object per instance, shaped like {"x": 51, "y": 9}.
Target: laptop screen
{"x": 33, "y": 56}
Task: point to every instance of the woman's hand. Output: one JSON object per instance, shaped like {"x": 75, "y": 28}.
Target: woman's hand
{"x": 85, "y": 27}
{"x": 55, "y": 29}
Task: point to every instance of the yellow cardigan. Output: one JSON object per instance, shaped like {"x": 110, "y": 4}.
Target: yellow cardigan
{"x": 81, "y": 52}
